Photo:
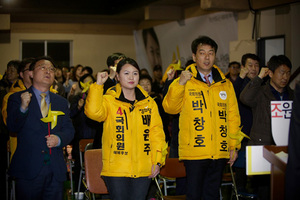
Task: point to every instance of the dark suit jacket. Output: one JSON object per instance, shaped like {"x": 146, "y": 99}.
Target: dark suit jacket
{"x": 29, "y": 157}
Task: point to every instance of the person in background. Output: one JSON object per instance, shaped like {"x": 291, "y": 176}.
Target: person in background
{"x": 292, "y": 175}
{"x": 73, "y": 83}
{"x": 157, "y": 85}
{"x": 38, "y": 164}
{"x": 19, "y": 85}
{"x": 59, "y": 77}
{"x": 131, "y": 126}
{"x": 144, "y": 71}
{"x": 209, "y": 121}
{"x": 249, "y": 70}
{"x": 146, "y": 83}
{"x": 58, "y": 82}
{"x": 233, "y": 71}
{"x": 87, "y": 70}
{"x": 112, "y": 62}
{"x": 66, "y": 72}
{"x": 259, "y": 97}
{"x": 152, "y": 48}
{"x": 10, "y": 76}
{"x": 85, "y": 128}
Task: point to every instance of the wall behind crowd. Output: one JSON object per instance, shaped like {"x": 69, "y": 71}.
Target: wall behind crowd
{"x": 88, "y": 49}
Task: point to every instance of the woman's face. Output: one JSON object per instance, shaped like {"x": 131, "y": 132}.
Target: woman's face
{"x": 146, "y": 85}
{"x": 128, "y": 76}
{"x": 79, "y": 72}
{"x": 153, "y": 52}
{"x": 58, "y": 73}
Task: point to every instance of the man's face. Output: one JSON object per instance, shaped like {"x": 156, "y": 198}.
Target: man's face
{"x": 204, "y": 58}
{"x": 65, "y": 71}
{"x": 43, "y": 74}
{"x": 157, "y": 74}
{"x": 280, "y": 77}
{"x": 25, "y": 75}
{"x": 253, "y": 67}
{"x": 234, "y": 69}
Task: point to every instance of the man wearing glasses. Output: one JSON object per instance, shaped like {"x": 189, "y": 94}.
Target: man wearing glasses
{"x": 38, "y": 163}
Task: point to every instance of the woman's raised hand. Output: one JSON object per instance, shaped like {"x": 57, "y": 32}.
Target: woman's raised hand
{"x": 101, "y": 77}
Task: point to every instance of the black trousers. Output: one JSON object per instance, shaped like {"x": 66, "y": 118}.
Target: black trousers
{"x": 43, "y": 187}
{"x": 125, "y": 188}
{"x": 204, "y": 178}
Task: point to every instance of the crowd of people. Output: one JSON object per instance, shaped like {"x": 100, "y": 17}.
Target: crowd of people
{"x": 200, "y": 112}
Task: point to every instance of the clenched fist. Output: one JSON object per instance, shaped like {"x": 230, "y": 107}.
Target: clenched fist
{"x": 264, "y": 72}
{"x": 184, "y": 77}
{"x": 25, "y": 100}
{"x": 101, "y": 77}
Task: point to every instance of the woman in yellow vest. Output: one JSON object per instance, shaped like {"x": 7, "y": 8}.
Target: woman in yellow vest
{"x": 133, "y": 142}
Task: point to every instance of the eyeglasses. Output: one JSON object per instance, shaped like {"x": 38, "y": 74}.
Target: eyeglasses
{"x": 44, "y": 68}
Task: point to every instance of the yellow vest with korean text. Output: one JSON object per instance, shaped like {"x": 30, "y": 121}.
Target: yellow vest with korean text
{"x": 209, "y": 115}
{"x": 133, "y": 139}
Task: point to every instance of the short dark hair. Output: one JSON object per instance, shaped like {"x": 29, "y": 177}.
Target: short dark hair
{"x": 157, "y": 68}
{"x": 203, "y": 40}
{"x": 24, "y": 62}
{"x": 14, "y": 63}
{"x": 249, "y": 55}
{"x": 127, "y": 61}
{"x": 277, "y": 61}
{"x": 146, "y": 76}
{"x": 113, "y": 57}
{"x": 234, "y": 63}
{"x": 88, "y": 69}
{"x": 32, "y": 65}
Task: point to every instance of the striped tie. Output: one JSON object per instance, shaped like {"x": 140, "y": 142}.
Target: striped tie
{"x": 207, "y": 80}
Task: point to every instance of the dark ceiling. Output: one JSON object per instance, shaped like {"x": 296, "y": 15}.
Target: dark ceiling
{"x": 68, "y": 10}
{"x": 95, "y": 7}
{"x": 120, "y": 11}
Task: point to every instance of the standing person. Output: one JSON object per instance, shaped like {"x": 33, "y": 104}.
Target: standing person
{"x": 233, "y": 71}
{"x": 19, "y": 85}
{"x": 259, "y": 98}
{"x": 292, "y": 175}
{"x": 11, "y": 75}
{"x": 249, "y": 70}
{"x": 73, "y": 88}
{"x": 85, "y": 128}
{"x": 157, "y": 84}
{"x": 112, "y": 62}
{"x": 209, "y": 119}
{"x": 38, "y": 163}
{"x": 133, "y": 138}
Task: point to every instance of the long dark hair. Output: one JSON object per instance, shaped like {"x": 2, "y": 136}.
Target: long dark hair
{"x": 127, "y": 61}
